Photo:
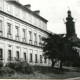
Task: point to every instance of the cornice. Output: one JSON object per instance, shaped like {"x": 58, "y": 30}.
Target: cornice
{"x": 20, "y": 42}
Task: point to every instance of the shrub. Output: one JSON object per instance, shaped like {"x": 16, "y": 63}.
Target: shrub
{"x": 1, "y": 64}
{"x": 11, "y": 65}
{"x": 21, "y": 66}
{"x": 7, "y": 71}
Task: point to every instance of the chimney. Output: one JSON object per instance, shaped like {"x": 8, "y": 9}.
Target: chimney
{"x": 27, "y": 6}
{"x": 37, "y": 12}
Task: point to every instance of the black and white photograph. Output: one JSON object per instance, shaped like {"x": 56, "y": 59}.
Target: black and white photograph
{"x": 40, "y": 39}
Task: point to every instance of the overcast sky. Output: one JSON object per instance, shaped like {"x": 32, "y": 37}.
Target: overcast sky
{"x": 55, "y": 11}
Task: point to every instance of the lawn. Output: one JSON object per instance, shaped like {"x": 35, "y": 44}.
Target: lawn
{"x": 47, "y": 73}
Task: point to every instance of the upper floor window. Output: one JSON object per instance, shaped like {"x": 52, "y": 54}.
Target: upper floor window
{"x": 35, "y": 38}
{"x": 23, "y": 33}
{"x": 1, "y": 54}
{"x": 9, "y": 7}
{"x": 9, "y": 28}
{"x": 40, "y": 39}
{"x": 17, "y": 31}
{"x": 30, "y": 37}
{"x": 0, "y": 25}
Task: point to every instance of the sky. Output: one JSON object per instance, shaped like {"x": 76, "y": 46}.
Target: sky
{"x": 55, "y": 11}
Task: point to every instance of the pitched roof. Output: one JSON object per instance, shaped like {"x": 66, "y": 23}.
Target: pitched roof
{"x": 30, "y": 11}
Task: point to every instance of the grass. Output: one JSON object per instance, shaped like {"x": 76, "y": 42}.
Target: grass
{"x": 47, "y": 73}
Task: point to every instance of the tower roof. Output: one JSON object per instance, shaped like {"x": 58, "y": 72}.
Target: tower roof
{"x": 69, "y": 16}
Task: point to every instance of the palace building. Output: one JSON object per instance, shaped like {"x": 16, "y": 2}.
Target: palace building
{"x": 21, "y": 31}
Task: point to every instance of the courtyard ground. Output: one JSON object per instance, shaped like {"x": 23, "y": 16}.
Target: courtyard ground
{"x": 47, "y": 73}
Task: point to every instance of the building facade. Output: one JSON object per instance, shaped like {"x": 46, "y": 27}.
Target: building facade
{"x": 21, "y": 31}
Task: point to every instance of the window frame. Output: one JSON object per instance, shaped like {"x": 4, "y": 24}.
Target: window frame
{"x": 1, "y": 52}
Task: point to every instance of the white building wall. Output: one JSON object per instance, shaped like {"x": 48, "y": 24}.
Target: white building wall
{"x": 18, "y": 45}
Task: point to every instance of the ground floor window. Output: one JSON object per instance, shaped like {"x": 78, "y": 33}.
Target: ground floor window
{"x": 25, "y": 56}
{"x": 45, "y": 60}
{"x": 40, "y": 58}
{"x": 30, "y": 57}
{"x": 36, "y": 58}
{"x": 9, "y": 54}
{"x": 17, "y": 55}
{"x": 1, "y": 54}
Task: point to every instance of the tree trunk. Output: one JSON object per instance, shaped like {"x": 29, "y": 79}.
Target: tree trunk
{"x": 53, "y": 63}
{"x": 60, "y": 64}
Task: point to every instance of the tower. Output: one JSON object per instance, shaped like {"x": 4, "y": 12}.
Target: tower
{"x": 70, "y": 25}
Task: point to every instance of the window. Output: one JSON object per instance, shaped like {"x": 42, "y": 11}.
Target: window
{"x": 17, "y": 31}
{"x": 30, "y": 57}
{"x": 35, "y": 39}
{"x": 40, "y": 39}
{"x": 17, "y": 55}
{"x": 30, "y": 37}
{"x": 40, "y": 58}
{"x": 23, "y": 33}
{"x": 9, "y": 28}
{"x": 9, "y": 54}
{"x": 36, "y": 58}
{"x": 1, "y": 56}
{"x": 9, "y": 7}
{"x": 0, "y": 25}
{"x": 25, "y": 56}
{"x": 45, "y": 60}
{"x": 24, "y": 39}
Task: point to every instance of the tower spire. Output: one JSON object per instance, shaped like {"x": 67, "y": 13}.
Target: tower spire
{"x": 70, "y": 25}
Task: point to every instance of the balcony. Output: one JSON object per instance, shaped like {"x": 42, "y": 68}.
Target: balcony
{"x": 17, "y": 38}
{"x": 24, "y": 39}
{"x": 35, "y": 42}
{"x": 30, "y": 41}
{"x": 1, "y": 33}
{"x": 9, "y": 35}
